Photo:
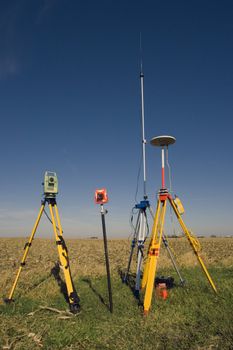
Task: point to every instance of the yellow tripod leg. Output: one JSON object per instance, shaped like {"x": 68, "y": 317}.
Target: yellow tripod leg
{"x": 64, "y": 259}
{"x": 153, "y": 233}
{"x": 154, "y": 255}
{"x": 26, "y": 249}
{"x": 190, "y": 238}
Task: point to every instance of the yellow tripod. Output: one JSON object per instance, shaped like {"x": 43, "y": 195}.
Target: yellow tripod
{"x": 157, "y": 231}
{"x": 62, "y": 252}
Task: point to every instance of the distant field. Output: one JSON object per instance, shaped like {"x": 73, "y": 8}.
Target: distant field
{"x": 191, "y": 318}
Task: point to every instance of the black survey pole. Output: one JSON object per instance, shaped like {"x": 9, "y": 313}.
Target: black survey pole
{"x": 103, "y": 212}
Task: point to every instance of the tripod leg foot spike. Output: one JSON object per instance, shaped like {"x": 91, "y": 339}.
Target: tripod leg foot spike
{"x": 75, "y": 308}
{"x": 8, "y": 301}
{"x": 75, "y": 304}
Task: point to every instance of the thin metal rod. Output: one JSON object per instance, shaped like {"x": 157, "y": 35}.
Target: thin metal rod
{"x": 141, "y": 239}
{"x": 165, "y": 242}
{"x": 134, "y": 241}
{"x": 106, "y": 257}
{"x": 170, "y": 190}
{"x": 163, "y": 169}
{"x": 143, "y": 133}
{"x": 169, "y": 171}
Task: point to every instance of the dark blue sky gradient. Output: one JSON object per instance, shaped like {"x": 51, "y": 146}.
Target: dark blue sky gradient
{"x": 70, "y": 102}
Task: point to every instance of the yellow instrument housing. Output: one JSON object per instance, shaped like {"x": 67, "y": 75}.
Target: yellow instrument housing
{"x": 179, "y": 205}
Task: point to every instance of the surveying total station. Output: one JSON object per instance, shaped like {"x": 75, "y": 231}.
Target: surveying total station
{"x": 158, "y": 226}
{"x": 50, "y": 191}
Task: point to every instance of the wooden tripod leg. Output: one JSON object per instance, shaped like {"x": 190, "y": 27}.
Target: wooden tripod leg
{"x": 154, "y": 255}
{"x": 191, "y": 241}
{"x": 26, "y": 250}
{"x": 64, "y": 259}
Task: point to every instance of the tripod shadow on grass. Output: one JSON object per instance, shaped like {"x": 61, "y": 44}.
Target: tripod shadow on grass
{"x": 55, "y": 272}
{"x": 130, "y": 280}
{"x": 88, "y": 281}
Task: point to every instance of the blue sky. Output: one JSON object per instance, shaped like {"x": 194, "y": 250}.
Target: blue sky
{"x": 70, "y": 102}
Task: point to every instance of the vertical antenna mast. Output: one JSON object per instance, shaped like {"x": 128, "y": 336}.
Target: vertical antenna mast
{"x": 143, "y": 124}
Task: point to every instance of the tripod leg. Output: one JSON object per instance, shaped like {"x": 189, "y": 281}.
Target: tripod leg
{"x": 26, "y": 250}
{"x": 141, "y": 238}
{"x": 154, "y": 231}
{"x": 64, "y": 260}
{"x": 154, "y": 255}
{"x": 165, "y": 242}
{"x": 192, "y": 243}
{"x": 134, "y": 240}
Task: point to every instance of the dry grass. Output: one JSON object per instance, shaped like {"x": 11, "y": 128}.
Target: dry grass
{"x": 87, "y": 258}
{"x": 30, "y": 324}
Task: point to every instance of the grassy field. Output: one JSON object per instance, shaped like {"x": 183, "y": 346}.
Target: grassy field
{"x": 191, "y": 318}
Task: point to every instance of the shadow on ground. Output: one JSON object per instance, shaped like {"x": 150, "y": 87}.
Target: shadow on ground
{"x": 94, "y": 290}
{"x": 129, "y": 280}
{"x": 55, "y": 272}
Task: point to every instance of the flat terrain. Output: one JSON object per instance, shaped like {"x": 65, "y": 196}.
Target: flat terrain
{"x": 192, "y": 317}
